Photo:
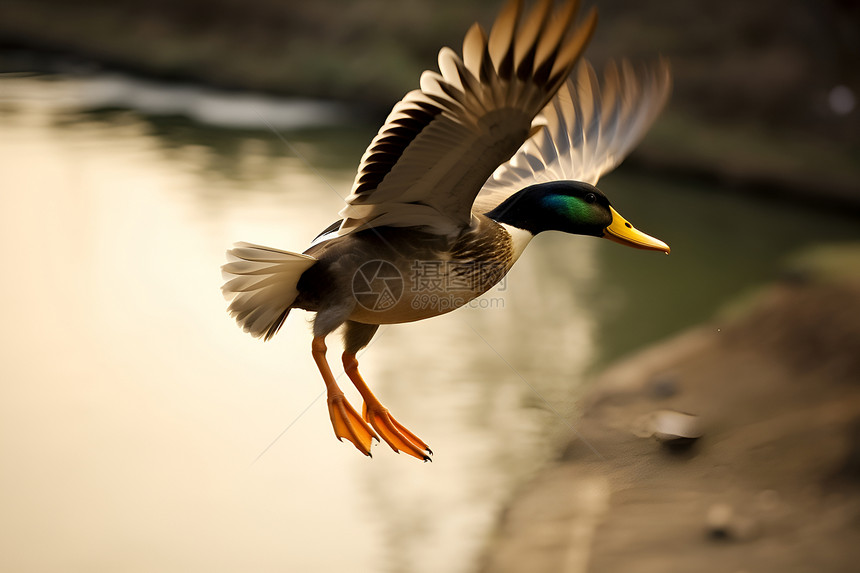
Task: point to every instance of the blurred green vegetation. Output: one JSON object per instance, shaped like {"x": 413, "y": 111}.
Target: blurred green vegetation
{"x": 369, "y": 52}
{"x": 753, "y": 80}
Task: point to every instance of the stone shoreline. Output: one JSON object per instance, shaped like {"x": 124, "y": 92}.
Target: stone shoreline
{"x": 772, "y": 485}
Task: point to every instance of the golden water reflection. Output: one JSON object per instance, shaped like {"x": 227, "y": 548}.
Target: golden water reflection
{"x": 133, "y": 408}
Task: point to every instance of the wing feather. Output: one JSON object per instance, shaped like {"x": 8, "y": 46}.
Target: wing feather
{"x": 441, "y": 142}
{"x": 588, "y": 132}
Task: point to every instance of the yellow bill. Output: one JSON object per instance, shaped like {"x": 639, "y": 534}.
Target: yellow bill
{"x": 623, "y": 232}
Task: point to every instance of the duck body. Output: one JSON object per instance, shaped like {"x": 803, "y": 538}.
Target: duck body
{"x": 390, "y": 275}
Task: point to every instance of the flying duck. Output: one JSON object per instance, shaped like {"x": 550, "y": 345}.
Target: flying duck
{"x": 496, "y": 147}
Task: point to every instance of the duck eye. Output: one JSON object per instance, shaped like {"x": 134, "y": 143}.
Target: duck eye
{"x": 590, "y": 197}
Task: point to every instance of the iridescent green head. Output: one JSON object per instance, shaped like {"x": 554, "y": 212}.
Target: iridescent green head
{"x": 571, "y": 207}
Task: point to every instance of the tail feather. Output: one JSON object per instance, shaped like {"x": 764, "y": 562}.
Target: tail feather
{"x": 262, "y": 286}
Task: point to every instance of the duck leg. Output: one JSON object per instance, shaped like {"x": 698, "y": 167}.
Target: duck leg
{"x": 395, "y": 434}
{"x": 344, "y": 419}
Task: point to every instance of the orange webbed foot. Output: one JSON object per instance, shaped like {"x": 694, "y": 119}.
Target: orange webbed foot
{"x": 394, "y": 433}
{"x": 348, "y": 424}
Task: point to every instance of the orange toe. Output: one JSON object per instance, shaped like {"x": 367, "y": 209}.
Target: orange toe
{"x": 348, "y": 424}
{"x": 395, "y": 434}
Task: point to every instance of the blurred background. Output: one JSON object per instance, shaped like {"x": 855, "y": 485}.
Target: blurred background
{"x": 141, "y": 430}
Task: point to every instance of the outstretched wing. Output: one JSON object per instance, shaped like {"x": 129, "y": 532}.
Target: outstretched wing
{"x": 588, "y": 131}
{"x": 441, "y": 143}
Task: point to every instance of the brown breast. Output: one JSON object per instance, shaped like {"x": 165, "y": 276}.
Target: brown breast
{"x": 418, "y": 279}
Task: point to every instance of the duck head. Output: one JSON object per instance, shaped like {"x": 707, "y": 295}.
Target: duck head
{"x": 571, "y": 207}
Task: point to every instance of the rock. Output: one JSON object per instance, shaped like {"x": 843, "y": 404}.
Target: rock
{"x": 723, "y": 523}
{"x": 719, "y": 520}
{"x": 669, "y": 427}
